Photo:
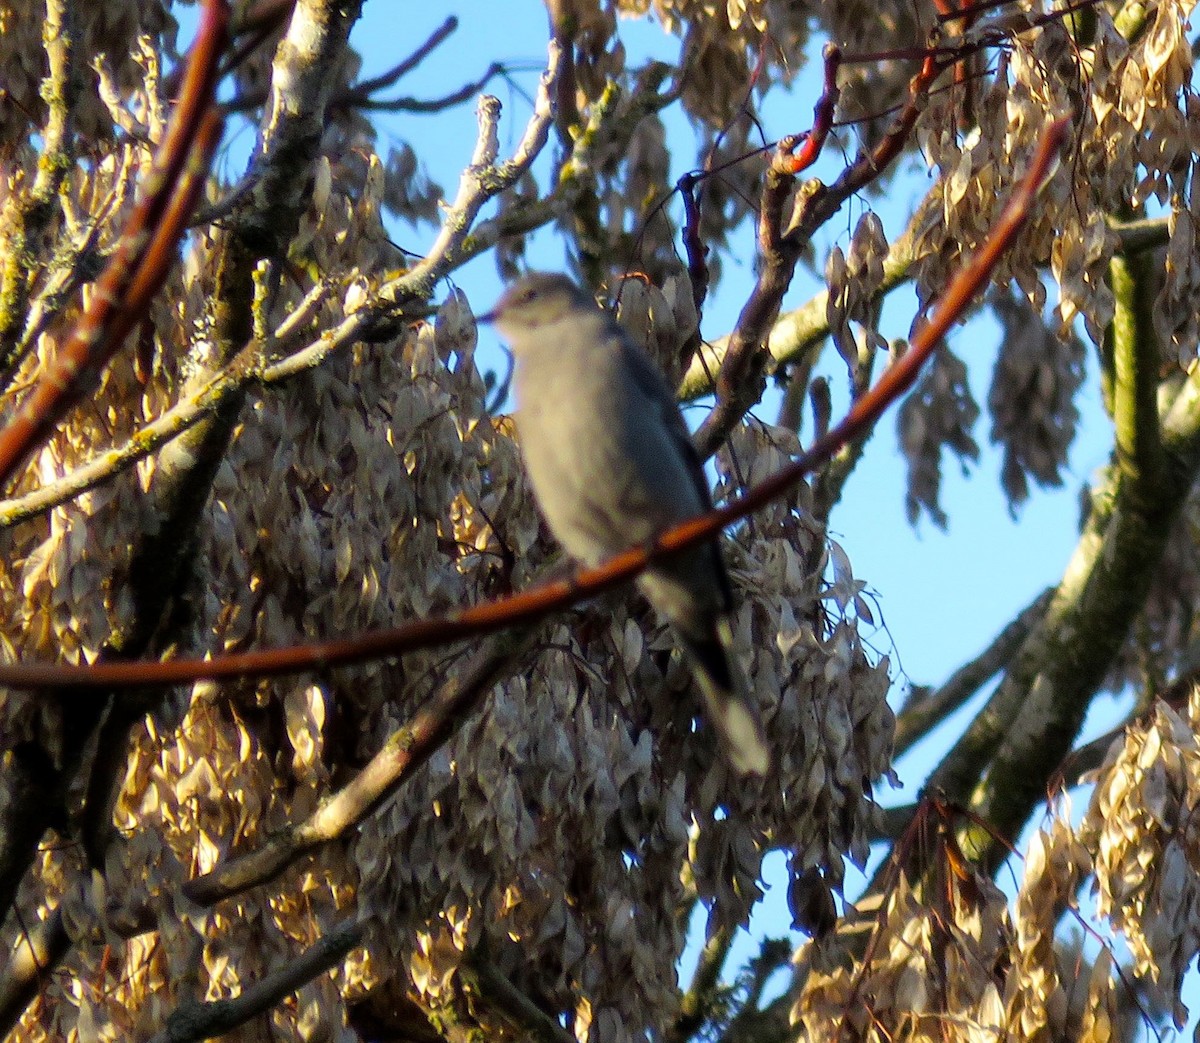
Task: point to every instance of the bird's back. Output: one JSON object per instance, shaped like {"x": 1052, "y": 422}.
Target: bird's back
{"x": 611, "y": 465}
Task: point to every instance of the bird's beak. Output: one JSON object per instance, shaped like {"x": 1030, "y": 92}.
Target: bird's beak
{"x": 487, "y": 318}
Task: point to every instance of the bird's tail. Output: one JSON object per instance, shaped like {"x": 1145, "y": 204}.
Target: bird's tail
{"x": 729, "y": 704}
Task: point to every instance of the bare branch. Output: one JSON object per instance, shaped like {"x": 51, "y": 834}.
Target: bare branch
{"x": 446, "y": 101}
{"x": 365, "y": 88}
{"x": 195, "y": 1022}
{"x": 482, "y": 180}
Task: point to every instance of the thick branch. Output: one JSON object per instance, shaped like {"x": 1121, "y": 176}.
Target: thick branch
{"x": 162, "y": 561}
{"x": 1146, "y": 233}
{"x": 1136, "y": 360}
{"x": 38, "y": 949}
{"x": 1029, "y": 725}
{"x": 200, "y": 1021}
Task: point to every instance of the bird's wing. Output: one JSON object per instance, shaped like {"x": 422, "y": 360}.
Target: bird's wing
{"x": 653, "y": 386}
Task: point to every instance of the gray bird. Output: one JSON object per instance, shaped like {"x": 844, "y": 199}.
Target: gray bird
{"x": 612, "y": 466}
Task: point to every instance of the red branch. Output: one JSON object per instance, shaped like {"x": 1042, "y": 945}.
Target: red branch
{"x": 143, "y": 255}
{"x": 823, "y": 112}
{"x": 535, "y": 604}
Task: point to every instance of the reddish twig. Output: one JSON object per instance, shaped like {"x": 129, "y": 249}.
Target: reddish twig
{"x": 691, "y": 188}
{"x": 251, "y": 30}
{"x": 160, "y": 248}
{"x": 737, "y": 384}
{"x": 823, "y": 112}
{"x": 535, "y": 604}
{"x": 784, "y": 166}
{"x": 142, "y": 257}
{"x": 952, "y": 16}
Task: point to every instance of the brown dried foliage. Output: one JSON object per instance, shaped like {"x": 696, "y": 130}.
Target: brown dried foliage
{"x": 539, "y": 869}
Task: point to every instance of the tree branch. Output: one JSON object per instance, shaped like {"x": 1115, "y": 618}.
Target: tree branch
{"x": 1029, "y": 725}
{"x": 194, "y": 1022}
{"x": 26, "y": 217}
{"x": 739, "y": 378}
{"x": 38, "y": 949}
{"x": 697, "y": 1003}
{"x": 140, "y": 263}
{"x": 798, "y": 334}
{"x": 1137, "y": 358}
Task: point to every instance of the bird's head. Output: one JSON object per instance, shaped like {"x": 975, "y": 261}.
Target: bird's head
{"x": 535, "y": 301}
